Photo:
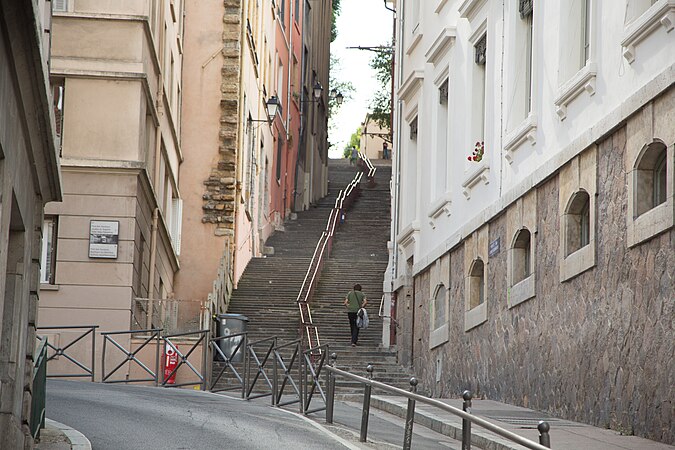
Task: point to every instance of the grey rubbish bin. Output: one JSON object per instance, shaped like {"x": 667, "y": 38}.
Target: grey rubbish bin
{"x": 229, "y": 324}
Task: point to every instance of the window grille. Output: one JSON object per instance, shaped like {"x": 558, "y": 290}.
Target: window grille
{"x": 525, "y": 8}
{"x": 443, "y": 93}
{"x": 481, "y": 51}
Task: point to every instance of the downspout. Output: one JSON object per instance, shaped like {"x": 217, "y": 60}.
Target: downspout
{"x": 159, "y": 105}
{"x": 240, "y": 137}
{"x": 288, "y": 103}
{"x": 303, "y": 115}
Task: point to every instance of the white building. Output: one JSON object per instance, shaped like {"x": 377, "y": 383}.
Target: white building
{"x": 556, "y": 244}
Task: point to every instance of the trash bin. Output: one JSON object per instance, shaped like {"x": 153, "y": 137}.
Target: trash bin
{"x": 229, "y": 324}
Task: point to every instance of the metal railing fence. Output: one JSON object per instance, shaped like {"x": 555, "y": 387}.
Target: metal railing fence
{"x": 468, "y": 418}
{"x": 39, "y": 391}
{"x": 240, "y": 344}
{"x": 89, "y": 372}
{"x": 183, "y": 359}
{"x": 129, "y": 356}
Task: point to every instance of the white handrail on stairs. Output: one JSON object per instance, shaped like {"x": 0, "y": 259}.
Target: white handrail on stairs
{"x": 322, "y": 251}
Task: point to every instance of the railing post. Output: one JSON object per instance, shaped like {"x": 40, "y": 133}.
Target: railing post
{"x": 366, "y": 406}
{"x": 330, "y": 400}
{"x": 466, "y": 424}
{"x": 93, "y": 352}
{"x": 544, "y": 438}
{"x": 410, "y": 417}
{"x": 275, "y": 374}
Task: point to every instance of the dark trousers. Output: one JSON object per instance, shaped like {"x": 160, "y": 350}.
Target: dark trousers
{"x": 353, "y": 327}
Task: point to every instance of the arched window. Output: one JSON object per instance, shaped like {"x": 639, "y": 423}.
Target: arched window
{"x": 439, "y": 306}
{"x": 476, "y": 284}
{"x": 577, "y": 222}
{"x": 650, "y": 179}
{"x": 522, "y": 266}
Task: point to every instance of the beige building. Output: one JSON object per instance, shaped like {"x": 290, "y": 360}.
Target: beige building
{"x": 116, "y": 71}
{"x": 374, "y": 139}
{"x": 29, "y": 177}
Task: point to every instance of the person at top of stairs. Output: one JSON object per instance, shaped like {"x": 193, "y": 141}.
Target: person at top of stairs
{"x": 354, "y": 301}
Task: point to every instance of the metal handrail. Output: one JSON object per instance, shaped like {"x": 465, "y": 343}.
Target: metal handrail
{"x": 203, "y": 339}
{"x": 62, "y": 351}
{"x": 131, "y": 356}
{"x": 39, "y": 391}
{"x": 413, "y": 397}
{"x": 321, "y": 253}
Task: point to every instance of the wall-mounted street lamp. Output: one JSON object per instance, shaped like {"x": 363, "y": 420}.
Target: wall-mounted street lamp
{"x": 317, "y": 90}
{"x": 273, "y": 107}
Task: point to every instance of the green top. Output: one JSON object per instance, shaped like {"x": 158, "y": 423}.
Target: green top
{"x": 355, "y": 300}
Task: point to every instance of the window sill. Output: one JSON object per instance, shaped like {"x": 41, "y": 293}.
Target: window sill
{"x": 475, "y": 317}
{"x": 49, "y": 287}
{"x": 416, "y": 39}
{"x": 650, "y": 224}
{"x": 480, "y": 174}
{"x": 438, "y": 337}
{"x": 440, "y": 207}
{"x": 408, "y": 238}
{"x": 520, "y": 292}
{"x": 526, "y": 132}
{"x": 578, "y": 262}
{"x": 583, "y": 81}
{"x": 661, "y": 13}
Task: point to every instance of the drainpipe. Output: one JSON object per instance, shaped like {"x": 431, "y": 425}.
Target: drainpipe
{"x": 288, "y": 103}
{"x": 151, "y": 277}
{"x": 159, "y": 105}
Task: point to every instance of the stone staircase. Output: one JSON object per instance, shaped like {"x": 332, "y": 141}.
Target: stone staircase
{"x": 268, "y": 289}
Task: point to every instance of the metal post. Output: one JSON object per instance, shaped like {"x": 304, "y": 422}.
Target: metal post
{"x": 466, "y": 424}
{"x": 410, "y": 417}
{"x": 275, "y": 374}
{"x": 544, "y": 438}
{"x": 205, "y": 362}
{"x": 330, "y": 400}
{"x": 366, "y": 406}
{"x": 244, "y": 349}
{"x": 157, "y": 369}
{"x": 93, "y": 352}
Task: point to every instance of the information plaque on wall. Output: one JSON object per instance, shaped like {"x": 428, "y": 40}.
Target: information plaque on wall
{"x": 103, "y": 239}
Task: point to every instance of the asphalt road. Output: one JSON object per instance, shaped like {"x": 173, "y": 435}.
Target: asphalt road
{"x": 119, "y": 417}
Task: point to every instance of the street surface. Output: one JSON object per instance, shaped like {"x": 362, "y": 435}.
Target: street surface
{"x": 120, "y": 417}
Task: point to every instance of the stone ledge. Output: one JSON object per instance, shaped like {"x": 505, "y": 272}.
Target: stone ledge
{"x": 453, "y": 429}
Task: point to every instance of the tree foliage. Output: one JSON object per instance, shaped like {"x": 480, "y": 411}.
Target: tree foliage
{"x": 354, "y": 141}
{"x": 333, "y": 21}
{"x": 346, "y": 88}
{"x": 380, "y": 103}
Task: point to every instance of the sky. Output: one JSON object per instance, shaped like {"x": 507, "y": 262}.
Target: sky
{"x": 363, "y": 23}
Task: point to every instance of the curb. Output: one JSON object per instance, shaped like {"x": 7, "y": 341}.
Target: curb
{"x": 78, "y": 441}
{"x": 479, "y": 437}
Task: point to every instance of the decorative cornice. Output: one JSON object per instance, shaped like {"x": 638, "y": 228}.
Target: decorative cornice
{"x": 411, "y": 84}
{"x": 469, "y": 8}
{"x": 416, "y": 39}
{"x": 661, "y": 13}
{"x": 440, "y": 44}
{"x": 584, "y": 80}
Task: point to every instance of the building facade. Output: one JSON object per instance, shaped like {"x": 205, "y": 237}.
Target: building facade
{"x": 532, "y": 215}
{"x": 375, "y": 141}
{"x": 116, "y": 70}
{"x": 245, "y": 172}
{"x": 29, "y": 178}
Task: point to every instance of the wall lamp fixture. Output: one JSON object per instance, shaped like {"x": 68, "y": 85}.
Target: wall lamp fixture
{"x": 273, "y": 107}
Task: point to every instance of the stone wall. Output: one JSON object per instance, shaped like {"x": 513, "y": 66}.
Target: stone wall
{"x": 220, "y": 187}
{"x": 598, "y": 348}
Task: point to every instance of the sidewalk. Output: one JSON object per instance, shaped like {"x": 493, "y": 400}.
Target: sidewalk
{"x": 57, "y": 436}
{"x": 564, "y": 433}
